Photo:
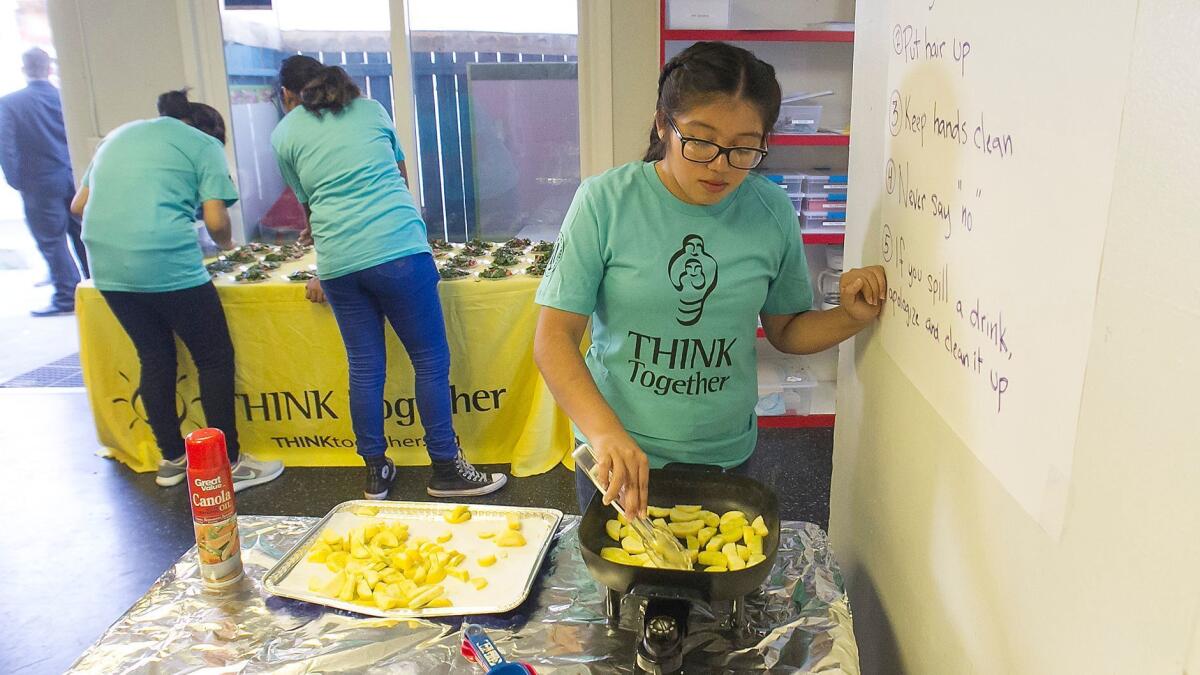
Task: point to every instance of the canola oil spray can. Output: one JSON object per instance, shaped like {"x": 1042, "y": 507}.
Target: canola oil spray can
{"x": 214, "y": 516}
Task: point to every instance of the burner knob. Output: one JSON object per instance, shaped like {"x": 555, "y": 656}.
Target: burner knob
{"x": 662, "y": 630}
{"x": 660, "y": 650}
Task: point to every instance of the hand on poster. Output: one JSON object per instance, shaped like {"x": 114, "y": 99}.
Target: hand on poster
{"x": 863, "y": 291}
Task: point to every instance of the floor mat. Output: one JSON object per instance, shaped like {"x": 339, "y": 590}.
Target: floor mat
{"x": 65, "y": 372}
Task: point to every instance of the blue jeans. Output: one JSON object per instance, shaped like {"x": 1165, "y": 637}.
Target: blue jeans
{"x": 405, "y": 292}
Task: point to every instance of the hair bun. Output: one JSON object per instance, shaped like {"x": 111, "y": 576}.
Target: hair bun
{"x": 174, "y": 104}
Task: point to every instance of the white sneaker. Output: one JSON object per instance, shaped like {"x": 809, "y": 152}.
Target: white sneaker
{"x": 249, "y": 472}
{"x": 171, "y": 473}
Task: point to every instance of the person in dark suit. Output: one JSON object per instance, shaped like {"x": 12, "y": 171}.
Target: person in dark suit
{"x": 33, "y": 155}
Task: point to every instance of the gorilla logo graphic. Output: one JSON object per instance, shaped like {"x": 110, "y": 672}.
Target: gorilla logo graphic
{"x": 693, "y": 273}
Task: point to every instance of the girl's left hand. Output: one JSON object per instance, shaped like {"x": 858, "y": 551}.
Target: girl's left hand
{"x": 314, "y": 292}
{"x": 863, "y": 291}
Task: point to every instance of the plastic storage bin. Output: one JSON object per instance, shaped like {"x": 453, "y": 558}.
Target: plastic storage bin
{"x": 818, "y": 185}
{"x": 785, "y": 386}
{"x": 792, "y": 184}
{"x": 823, "y": 204}
{"x": 689, "y": 14}
{"x": 798, "y": 119}
{"x": 818, "y": 220}
{"x": 810, "y": 221}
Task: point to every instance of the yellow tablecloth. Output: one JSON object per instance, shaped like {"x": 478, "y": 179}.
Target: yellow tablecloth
{"x": 292, "y": 398}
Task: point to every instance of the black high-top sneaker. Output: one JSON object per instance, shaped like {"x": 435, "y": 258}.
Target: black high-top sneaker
{"x": 457, "y": 478}
{"x": 380, "y": 477}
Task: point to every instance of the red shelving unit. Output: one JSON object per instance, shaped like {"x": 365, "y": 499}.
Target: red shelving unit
{"x": 821, "y": 238}
{"x": 828, "y": 140}
{"x": 688, "y": 35}
{"x": 813, "y": 140}
{"x": 760, "y": 35}
{"x": 796, "y": 422}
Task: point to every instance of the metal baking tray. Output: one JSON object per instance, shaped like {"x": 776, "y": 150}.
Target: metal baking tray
{"x": 509, "y": 580}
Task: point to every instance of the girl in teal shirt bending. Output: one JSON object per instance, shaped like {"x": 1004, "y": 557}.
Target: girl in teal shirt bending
{"x": 339, "y": 153}
{"x": 138, "y": 200}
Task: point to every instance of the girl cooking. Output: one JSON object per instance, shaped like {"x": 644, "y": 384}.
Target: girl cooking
{"x": 672, "y": 259}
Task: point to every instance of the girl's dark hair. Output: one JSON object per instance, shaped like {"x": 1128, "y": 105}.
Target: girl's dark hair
{"x": 198, "y": 115}
{"x": 319, "y": 87}
{"x": 174, "y": 104}
{"x": 705, "y": 71}
{"x": 207, "y": 119}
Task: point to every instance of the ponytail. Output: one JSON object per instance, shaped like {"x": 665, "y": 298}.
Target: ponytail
{"x": 207, "y": 119}
{"x": 174, "y": 104}
{"x": 318, "y": 87}
{"x": 657, "y": 149}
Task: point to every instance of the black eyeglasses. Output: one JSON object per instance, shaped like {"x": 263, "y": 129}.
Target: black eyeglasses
{"x": 701, "y": 151}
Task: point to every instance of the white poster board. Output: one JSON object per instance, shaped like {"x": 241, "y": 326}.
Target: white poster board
{"x": 1002, "y": 126}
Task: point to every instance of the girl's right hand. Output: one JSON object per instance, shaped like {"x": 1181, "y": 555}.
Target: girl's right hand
{"x": 627, "y": 469}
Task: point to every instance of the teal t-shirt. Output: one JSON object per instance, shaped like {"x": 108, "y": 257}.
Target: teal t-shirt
{"x": 674, "y": 290}
{"x": 145, "y": 183}
{"x": 343, "y": 167}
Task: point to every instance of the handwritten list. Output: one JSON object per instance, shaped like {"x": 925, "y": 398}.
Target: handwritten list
{"x": 1002, "y": 127}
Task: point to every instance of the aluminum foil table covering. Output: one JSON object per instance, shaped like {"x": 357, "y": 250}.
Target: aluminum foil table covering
{"x": 799, "y": 621}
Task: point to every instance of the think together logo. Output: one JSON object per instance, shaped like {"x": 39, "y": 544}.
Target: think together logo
{"x": 693, "y": 274}
{"x": 137, "y": 406}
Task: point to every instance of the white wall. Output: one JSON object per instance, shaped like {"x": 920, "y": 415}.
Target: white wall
{"x": 618, "y": 81}
{"x": 947, "y": 574}
{"x": 116, "y": 56}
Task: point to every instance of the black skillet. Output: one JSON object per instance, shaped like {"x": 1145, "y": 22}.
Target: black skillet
{"x": 716, "y": 492}
{"x": 669, "y": 593}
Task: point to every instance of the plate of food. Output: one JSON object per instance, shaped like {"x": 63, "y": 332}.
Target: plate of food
{"x": 495, "y": 272}
{"x": 302, "y": 275}
{"x": 295, "y": 250}
{"x": 478, "y": 247}
{"x": 542, "y": 247}
{"x": 242, "y": 254}
{"x": 220, "y": 266}
{"x": 462, "y": 260}
{"x": 451, "y": 273}
{"x": 505, "y": 258}
{"x": 251, "y": 275}
{"x": 537, "y": 269}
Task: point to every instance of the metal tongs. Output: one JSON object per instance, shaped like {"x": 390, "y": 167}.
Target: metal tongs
{"x": 662, "y": 547}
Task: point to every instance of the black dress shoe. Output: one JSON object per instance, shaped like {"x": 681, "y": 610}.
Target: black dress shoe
{"x": 53, "y": 310}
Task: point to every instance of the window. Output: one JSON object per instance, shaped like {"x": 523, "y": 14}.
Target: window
{"x": 494, "y": 131}
{"x": 497, "y": 115}
{"x": 353, "y": 34}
